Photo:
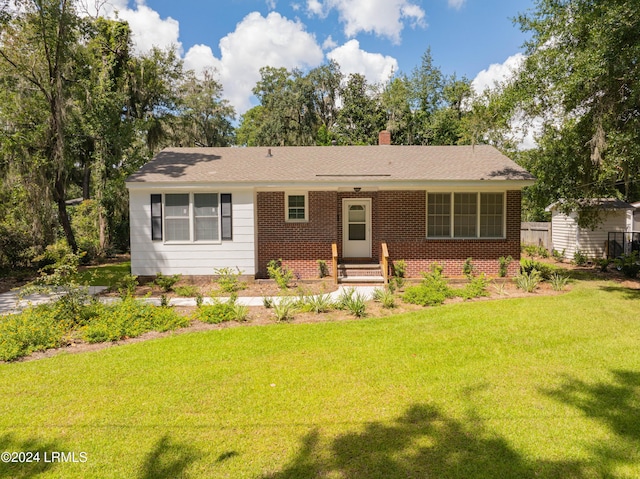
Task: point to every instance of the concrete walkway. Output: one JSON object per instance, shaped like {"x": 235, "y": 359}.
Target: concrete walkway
{"x": 11, "y": 302}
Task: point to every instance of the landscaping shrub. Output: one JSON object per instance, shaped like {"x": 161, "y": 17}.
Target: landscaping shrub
{"x": 579, "y": 258}
{"x": 558, "y": 282}
{"x": 34, "y": 329}
{"x": 187, "y": 291}
{"x": 503, "y": 265}
{"x": 280, "y": 273}
{"x": 166, "y": 282}
{"x": 284, "y": 308}
{"x": 320, "y": 303}
{"x": 432, "y": 291}
{"x": 131, "y": 318}
{"x": 127, "y": 286}
{"x": 468, "y": 268}
{"x": 352, "y": 301}
{"x": 323, "y": 269}
{"x": 528, "y": 281}
{"x": 545, "y": 270}
{"x": 229, "y": 279}
{"x": 476, "y": 288}
{"x": 385, "y": 297}
{"x": 218, "y": 312}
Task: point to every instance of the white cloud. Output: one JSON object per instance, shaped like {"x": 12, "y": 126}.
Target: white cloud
{"x": 256, "y": 42}
{"x": 329, "y": 43}
{"x": 497, "y": 73}
{"x": 148, "y": 29}
{"x": 383, "y": 17}
{"x": 375, "y": 67}
{"x": 457, "y": 4}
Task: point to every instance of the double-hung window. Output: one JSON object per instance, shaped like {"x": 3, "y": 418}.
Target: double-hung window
{"x": 191, "y": 217}
{"x": 465, "y": 215}
{"x": 296, "y": 207}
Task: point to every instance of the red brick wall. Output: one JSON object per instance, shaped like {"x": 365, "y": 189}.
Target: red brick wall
{"x": 398, "y": 217}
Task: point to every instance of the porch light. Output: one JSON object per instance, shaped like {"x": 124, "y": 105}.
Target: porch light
{"x": 357, "y": 189}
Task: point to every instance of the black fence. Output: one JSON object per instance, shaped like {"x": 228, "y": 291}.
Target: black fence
{"x": 622, "y": 243}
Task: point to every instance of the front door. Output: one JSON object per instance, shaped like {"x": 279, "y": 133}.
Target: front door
{"x": 356, "y": 228}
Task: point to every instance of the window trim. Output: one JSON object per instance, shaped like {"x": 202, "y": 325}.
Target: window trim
{"x": 304, "y": 194}
{"x": 478, "y": 216}
{"x": 192, "y": 219}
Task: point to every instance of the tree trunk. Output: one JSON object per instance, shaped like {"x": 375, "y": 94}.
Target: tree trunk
{"x": 63, "y": 216}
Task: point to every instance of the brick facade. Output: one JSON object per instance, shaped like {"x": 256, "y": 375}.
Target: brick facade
{"x": 398, "y": 217}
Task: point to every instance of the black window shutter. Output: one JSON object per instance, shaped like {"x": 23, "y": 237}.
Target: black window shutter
{"x": 156, "y": 217}
{"x": 227, "y": 221}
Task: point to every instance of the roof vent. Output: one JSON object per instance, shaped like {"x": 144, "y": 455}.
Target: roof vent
{"x": 384, "y": 138}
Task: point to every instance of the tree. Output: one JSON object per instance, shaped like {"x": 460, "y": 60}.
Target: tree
{"x": 582, "y": 77}
{"x": 361, "y": 117}
{"x": 49, "y": 28}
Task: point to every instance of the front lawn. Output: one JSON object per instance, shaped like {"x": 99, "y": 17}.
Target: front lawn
{"x": 538, "y": 387}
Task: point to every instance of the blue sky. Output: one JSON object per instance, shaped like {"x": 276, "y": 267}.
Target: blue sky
{"x": 472, "y": 38}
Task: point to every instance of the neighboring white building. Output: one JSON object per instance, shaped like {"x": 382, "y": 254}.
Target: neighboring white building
{"x": 568, "y": 238}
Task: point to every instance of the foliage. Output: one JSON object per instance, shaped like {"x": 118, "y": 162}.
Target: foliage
{"x": 400, "y": 268}
{"x": 280, "y": 273}
{"x": 534, "y": 250}
{"x": 319, "y": 303}
{"x": 267, "y": 302}
{"x": 323, "y": 269}
{"x": 528, "y": 281}
{"x": 603, "y": 263}
{"x": 34, "y": 329}
{"x": 503, "y": 265}
{"x": 545, "y": 270}
{"x": 353, "y": 302}
{"x": 558, "y": 282}
{"x": 217, "y": 312}
{"x": 130, "y": 318}
{"x": 229, "y": 279}
{"x": 628, "y": 264}
{"x": 127, "y": 286}
{"x": 432, "y": 291}
{"x": 189, "y": 291}
{"x": 468, "y": 268}
{"x": 558, "y": 255}
{"x": 385, "y": 297}
{"x": 284, "y": 308}
{"x": 579, "y": 258}
{"x": 476, "y": 288}
{"x": 166, "y": 282}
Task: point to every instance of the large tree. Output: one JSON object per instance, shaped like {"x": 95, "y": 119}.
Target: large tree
{"x": 582, "y": 78}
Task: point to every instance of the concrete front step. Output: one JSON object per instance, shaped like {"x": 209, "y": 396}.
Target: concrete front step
{"x": 360, "y": 273}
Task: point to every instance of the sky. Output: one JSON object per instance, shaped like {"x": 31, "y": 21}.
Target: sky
{"x": 476, "y": 39}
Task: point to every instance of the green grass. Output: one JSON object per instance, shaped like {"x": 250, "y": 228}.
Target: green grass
{"x": 539, "y": 387}
{"x": 104, "y": 275}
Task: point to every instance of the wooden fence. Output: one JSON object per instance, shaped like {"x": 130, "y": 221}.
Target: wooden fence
{"x": 534, "y": 233}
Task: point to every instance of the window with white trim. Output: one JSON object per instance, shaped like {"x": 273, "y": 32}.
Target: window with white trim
{"x": 191, "y": 217}
{"x": 296, "y": 207}
{"x": 465, "y": 215}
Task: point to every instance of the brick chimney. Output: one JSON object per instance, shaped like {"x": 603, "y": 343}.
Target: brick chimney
{"x": 384, "y": 138}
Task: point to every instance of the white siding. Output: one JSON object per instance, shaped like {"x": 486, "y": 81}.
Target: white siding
{"x": 593, "y": 242}
{"x": 564, "y": 230}
{"x": 567, "y": 236}
{"x": 151, "y": 257}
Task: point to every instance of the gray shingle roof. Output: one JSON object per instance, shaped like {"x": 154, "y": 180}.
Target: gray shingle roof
{"x": 311, "y": 164}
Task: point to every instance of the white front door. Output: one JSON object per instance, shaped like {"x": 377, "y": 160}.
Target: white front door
{"x": 356, "y": 228}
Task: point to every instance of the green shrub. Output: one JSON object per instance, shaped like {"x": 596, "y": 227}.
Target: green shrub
{"x": 34, "y": 329}
{"x": 432, "y": 291}
{"x": 284, "y": 309}
{"x": 603, "y": 264}
{"x": 579, "y": 258}
{"x": 217, "y": 312}
{"x": 319, "y": 303}
{"x": 131, "y": 318}
{"x": 528, "y": 281}
{"x": 468, "y": 268}
{"x": 400, "y": 268}
{"x": 503, "y": 265}
{"x": 535, "y": 250}
{"x": 352, "y": 301}
{"x": 187, "y": 291}
{"x": 267, "y": 302}
{"x": 229, "y": 279}
{"x": 323, "y": 269}
{"x": 127, "y": 286}
{"x": 166, "y": 282}
{"x": 558, "y": 255}
{"x": 385, "y": 297}
{"x": 545, "y": 270}
{"x": 280, "y": 273}
{"x": 476, "y": 288}
{"x": 558, "y": 282}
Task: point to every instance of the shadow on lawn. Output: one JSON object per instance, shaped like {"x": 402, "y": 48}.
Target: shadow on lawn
{"x": 627, "y": 293}
{"x": 168, "y": 460}
{"x": 421, "y": 443}
{"x": 26, "y": 470}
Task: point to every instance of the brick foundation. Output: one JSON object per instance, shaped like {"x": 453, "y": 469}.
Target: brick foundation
{"x": 398, "y": 217}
